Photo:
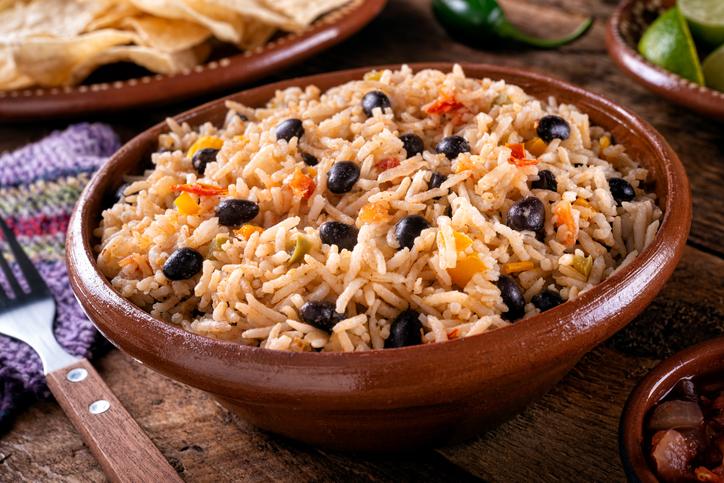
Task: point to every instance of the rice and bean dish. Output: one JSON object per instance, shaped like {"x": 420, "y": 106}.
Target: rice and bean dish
{"x": 389, "y": 211}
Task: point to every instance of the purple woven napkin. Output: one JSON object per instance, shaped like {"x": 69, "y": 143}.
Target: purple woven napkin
{"x": 39, "y": 185}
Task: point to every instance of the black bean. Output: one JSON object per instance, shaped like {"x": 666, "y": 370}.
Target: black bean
{"x": 552, "y": 127}
{"x": 232, "y": 212}
{"x": 527, "y": 214}
{"x": 436, "y": 179}
{"x": 546, "y": 300}
{"x": 340, "y": 234}
{"x": 621, "y": 190}
{"x": 321, "y": 315}
{"x": 291, "y": 128}
{"x": 309, "y": 159}
{"x": 374, "y": 99}
{"x": 451, "y": 146}
{"x": 409, "y": 228}
{"x": 183, "y": 264}
{"x": 202, "y": 157}
{"x": 412, "y": 143}
{"x": 342, "y": 176}
{"x": 512, "y": 296}
{"x": 546, "y": 181}
{"x": 405, "y": 330}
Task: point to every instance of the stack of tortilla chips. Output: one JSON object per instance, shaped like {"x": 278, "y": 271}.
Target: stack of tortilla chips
{"x": 60, "y": 42}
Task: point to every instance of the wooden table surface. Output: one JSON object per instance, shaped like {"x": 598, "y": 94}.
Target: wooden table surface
{"x": 570, "y": 434}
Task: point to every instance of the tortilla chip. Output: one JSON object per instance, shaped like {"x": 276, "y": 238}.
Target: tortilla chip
{"x": 47, "y": 18}
{"x": 167, "y": 35}
{"x": 304, "y": 12}
{"x": 255, "y": 35}
{"x": 257, "y": 11}
{"x": 223, "y": 23}
{"x": 10, "y": 78}
{"x": 51, "y": 61}
{"x": 151, "y": 59}
{"x": 113, "y": 15}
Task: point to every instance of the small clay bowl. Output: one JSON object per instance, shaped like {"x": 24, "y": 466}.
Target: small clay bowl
{"x": 700, "y": 360}
{"x": 390, "y": 399}
{"x": 623, "y": 33}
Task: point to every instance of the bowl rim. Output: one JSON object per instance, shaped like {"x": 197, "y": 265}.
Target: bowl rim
{"x": 700, "y": 359}
{"x": 642, "y": 278}
{"x": 700, "y": 98}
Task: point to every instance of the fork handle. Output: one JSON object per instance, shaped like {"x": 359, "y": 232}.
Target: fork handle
{"x": 123, "y": 450}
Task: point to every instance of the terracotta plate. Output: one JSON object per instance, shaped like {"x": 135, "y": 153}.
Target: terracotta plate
{"x": 232, "y": 71}
{"x": 623, "y": 32}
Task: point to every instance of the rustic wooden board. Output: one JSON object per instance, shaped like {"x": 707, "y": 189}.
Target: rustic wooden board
{"x": 570, "y": 435}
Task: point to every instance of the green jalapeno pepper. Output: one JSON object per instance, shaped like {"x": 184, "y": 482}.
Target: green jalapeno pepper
{"x": 483, "y": 21}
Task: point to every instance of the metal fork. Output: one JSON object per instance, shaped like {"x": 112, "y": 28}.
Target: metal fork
{"x": 121, "y": 447}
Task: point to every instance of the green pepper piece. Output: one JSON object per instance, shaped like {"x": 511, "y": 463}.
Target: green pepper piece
{"x": 481, "y": 21}
{"x": 301, "y": 248}
{"x": 583, "y": 265}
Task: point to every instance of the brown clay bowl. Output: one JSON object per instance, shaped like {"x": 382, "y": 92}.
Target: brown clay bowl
{"x": 390, "y": 399}
{"x": 702, "y": 359}
{"x": 623, "y": 33}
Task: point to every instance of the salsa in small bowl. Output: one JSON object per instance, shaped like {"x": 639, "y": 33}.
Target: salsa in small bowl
{"x": 672, "y": 427}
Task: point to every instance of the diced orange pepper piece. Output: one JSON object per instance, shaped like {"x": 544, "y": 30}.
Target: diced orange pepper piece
{"x": 388, "y": 163}
{"x": 374, "y": 213}
{"x": 582, "y": 202}
{"x": 446, "y": 103}
{"x": 462, "y": 241}
{"x": 515, "y": 267}
{"x": 454, "y": 333}
{"x": 465, "y": 269}
{"x": 205, "y": 142}
{"x": 201, "y": 189}
{"x": 463, "y": 164}
{"x": 536, "y": 146}
{"x": 186, "y": 204}
{"x": 247, "y": 230}
{"x": 302, "y": 185}
{"x": 604, "y": 142}
{"x": 373, "y": 75}
{"x": 564, "y": 212}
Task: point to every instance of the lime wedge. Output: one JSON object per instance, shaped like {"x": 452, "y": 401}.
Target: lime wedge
{"x": 713, "y": 68}
{"x": 668, "y": 43}
{"x": 706, "y": 19}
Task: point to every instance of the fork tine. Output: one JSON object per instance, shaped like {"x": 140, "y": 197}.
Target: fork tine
{"x": 10, "y": 277}
{"x": 35, "y": 282}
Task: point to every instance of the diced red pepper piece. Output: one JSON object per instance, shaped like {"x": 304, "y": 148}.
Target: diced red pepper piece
{"x": 388, "y": 163}
{"x": 444, "y": 105}
{"x": 201, "y": 189}
{"x": 517, "y": 155}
